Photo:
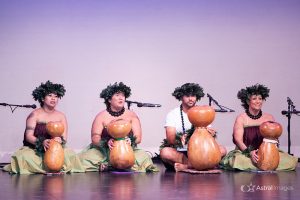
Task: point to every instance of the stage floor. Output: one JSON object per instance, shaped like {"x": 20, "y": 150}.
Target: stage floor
{"x": 153, "y": 186}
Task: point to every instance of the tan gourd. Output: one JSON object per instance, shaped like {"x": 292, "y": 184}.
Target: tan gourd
{"x": 201, "y": 116}
{"x": 55, "y": 129}
{"x": 268, "y": 154}
{"x": 54, "y": 155}
{"x": 121, "y": 156}
{"x": 203, "y": 151}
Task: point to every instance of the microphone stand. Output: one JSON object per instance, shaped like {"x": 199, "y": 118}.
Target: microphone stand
{"x": 13, "y": 107}
{"x": 291, "y": 109}
{"x": 221, "y": 108}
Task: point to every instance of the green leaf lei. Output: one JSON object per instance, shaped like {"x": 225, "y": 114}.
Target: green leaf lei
{"x": 178, "y": 143}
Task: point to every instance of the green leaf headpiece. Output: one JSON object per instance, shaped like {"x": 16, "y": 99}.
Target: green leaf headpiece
{"x": 257, "y": 89}
{"x": 44, "y": 89}
{"x": 188, "y": 89}
{"x": 110, "y": 90}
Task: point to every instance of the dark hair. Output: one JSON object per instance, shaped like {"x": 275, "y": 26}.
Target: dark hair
{"x": 39, "y": 93}
{"x": 110, "y": 90}
{"x": 245, "y": 94}
{"x": 188, "y": 89}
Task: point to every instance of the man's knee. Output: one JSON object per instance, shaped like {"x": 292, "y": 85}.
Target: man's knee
{"x": 165, "y": 153}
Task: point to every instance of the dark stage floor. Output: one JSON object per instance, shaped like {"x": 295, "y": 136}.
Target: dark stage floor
{"x": 154, "y": 186}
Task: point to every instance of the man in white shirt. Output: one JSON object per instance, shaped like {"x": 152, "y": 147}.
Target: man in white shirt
{"x": 179, "y": 128}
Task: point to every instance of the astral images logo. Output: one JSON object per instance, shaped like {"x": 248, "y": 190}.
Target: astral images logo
{"x": 253, "y": 188}
{"x": 248, "y": 188}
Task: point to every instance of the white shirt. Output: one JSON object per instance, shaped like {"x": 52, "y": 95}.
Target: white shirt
{"x": 174, "y": 120}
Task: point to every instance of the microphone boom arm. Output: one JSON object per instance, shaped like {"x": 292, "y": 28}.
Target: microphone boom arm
{"x": 13, "y": 107}
{"x": 139, "y": 104}
{"x": 221, "y": 108}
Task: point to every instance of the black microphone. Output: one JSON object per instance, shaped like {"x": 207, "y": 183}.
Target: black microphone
{"x": 290, "y": 102}
{"x": 29, "y": 106}
{"x": 284, "y": 112}
{"x": 148, "y": 105}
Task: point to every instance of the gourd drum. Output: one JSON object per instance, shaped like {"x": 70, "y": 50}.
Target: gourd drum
{"x": 121, "y": 155}
{"x": 54, "y": 155}
{"x": 203, "y": 151}
{"x": 55, "y": 129}
{"x": 201, "y": 116}
{"x": 268, "y": 154}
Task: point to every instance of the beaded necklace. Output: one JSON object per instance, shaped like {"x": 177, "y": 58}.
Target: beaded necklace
{"x": 254, "y": 116}
{"x": 115, "y": 114}
{"x": 182, "y": 121}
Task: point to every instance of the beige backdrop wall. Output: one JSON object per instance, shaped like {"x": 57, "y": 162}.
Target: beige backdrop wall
{"x": 152, "y": 46}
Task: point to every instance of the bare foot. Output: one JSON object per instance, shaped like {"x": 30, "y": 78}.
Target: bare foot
{"x": 180, "y": 167}
{"x": 103, "y": 167}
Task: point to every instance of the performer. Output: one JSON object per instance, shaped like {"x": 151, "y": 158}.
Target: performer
{"x": 96, "y": 156}
{"x": 246, "y": 134}
{"x": 29, "y": 158}
{"x": 179, "y": 129}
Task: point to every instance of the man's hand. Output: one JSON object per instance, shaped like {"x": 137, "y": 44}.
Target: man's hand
{"x": 183, "y": 139}
{"x": 212, "y": 131}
